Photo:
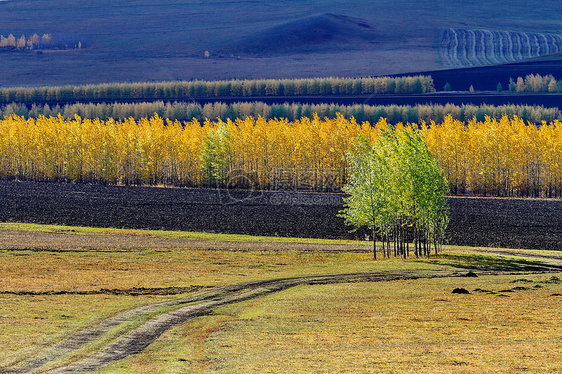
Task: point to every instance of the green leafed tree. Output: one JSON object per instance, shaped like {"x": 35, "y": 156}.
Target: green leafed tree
{"x": 216, "y": 156}
{"x": 428, "y": 209}
{"x": 369, "y": 195}
{"x": 397, "y": 190}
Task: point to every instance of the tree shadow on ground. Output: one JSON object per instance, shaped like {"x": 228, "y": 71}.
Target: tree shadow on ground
{"x": 492, "y": 262}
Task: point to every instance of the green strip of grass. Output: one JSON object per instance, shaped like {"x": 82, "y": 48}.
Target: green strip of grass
{"x": 186, "y": 235}
{"x": 216, "y": 237}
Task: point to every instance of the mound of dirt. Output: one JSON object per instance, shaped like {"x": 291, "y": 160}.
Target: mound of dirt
{"x": 461, "y": 291}
{"x": 332, "y": 31}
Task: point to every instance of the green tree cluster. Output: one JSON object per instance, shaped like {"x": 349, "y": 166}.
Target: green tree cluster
{"x": 397, "y": 190}
{"x": 182, "y": 90}
{"x": 216, "y": 156}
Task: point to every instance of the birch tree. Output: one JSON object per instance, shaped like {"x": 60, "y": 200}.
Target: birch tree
{"x": 397, "y": 190}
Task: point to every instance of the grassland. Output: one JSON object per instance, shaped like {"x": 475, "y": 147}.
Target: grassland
{"x": 412, "y": 326}
{"x": 404, "y": 325}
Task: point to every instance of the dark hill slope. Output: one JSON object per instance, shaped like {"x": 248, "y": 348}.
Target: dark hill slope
{"x": 321, "y": 31}
{"x": 143, "y": 40}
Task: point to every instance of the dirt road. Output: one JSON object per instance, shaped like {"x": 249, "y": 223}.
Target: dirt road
{"x": 159, "y": 317}
{"x": 138, "y": 339}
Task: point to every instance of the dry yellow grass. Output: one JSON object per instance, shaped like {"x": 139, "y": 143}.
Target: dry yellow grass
{"x": 413, "y": 326}
{"x": 72, "y": 271}
{"x": 30, "y": 322}
{"x": 397, "y": 326}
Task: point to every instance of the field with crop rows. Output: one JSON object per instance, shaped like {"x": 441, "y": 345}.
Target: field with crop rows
{"x": 460, "y": 47}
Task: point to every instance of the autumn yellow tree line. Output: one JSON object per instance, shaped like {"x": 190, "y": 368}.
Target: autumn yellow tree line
{"x": 47, "y": 41}
{"x": 500, "y": 157}
{"x": 504, "y": 157}
{"x": 31, "y": 42}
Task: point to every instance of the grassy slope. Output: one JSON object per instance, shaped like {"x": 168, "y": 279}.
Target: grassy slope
{"x": 142, "y": 40}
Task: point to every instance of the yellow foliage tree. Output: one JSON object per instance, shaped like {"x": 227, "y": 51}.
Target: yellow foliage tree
{"x": 505, "y": 156}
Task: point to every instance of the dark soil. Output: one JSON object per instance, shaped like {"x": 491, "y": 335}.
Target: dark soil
{"x": 461, "y": 291}
{"x": 514, "y": 223}
{"x": 503, "y": 222}
{"x": 487, "y": 77}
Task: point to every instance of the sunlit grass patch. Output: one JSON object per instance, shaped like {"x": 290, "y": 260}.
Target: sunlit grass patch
{"x": 55, "y": 271}
{"x": 29, "y": 324}
{"x": 410, "y": 326}
{"x": 168, "y": 234}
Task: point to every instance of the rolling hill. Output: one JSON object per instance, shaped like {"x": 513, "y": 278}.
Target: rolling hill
{"x": 318, "y": 33}
{"x": 142, "y": 40}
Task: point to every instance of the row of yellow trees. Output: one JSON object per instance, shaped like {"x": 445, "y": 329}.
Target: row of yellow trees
{"x": 505, "y": 157}
{"x": 32, "y": 42}
{"x": 502, "y": 157}
{"x": 262, "y": 152}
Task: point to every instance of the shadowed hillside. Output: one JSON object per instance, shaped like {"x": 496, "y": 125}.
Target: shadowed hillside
{"x": 168, "y": 40}
{"x": 322, "y": 31}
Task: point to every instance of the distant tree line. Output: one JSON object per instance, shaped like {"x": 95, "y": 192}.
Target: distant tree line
{"x": 183, "y": 90}
{"x": 47, "y": 41}
{"x": 532, "y": 83}
{"x": 373, "y": 113}
{"x": 535, "y": 83}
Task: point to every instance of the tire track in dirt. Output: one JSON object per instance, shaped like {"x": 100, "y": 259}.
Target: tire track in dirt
{"x": 139, "y": 338}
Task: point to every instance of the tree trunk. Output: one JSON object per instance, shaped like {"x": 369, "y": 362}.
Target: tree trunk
{"x": 374, "y": 245}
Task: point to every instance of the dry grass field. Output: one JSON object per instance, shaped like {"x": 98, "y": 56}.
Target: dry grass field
{"x": 402, "y": 317}
{"x": 412, "y": 326}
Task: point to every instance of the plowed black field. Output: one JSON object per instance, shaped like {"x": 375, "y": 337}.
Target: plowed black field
{"x": 516, "y": 223}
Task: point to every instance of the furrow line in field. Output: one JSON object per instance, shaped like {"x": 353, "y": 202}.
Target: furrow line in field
{"x": 460, "y": 47}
